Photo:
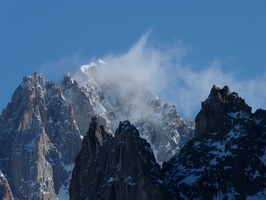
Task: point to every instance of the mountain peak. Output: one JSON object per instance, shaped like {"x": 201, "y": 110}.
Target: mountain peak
{"x": 40, "y": 130}
{"x": 120, "y": 167}
{"x": 217, "y": 93}
{"x": 226, "y": 159}
{"x": 219, "y": 97}
{"x": 39, "y": 139}
{"x": 221, "y": 103}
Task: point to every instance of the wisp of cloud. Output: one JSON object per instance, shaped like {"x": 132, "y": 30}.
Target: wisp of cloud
{"x": 183, "y": 85}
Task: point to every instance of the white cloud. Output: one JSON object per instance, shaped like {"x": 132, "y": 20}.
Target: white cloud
{"x": 183, "y": 85}
{"x": 147, "y": 64}
{"x": 164, "y": 72}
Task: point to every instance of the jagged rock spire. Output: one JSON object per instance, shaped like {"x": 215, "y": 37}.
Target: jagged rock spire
{"x": 213, "y": 114}
{"x": 119, "y": 167}
{"x": 39, "y": 139}
{"x": 227, "y": 158}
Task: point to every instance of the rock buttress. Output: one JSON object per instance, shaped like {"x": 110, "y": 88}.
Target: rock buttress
{"x": 121, "y": 167}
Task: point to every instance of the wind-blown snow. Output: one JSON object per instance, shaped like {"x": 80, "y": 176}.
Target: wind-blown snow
{"x": 116, "y": 97}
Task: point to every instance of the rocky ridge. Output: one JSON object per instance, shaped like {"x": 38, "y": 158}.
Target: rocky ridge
{"x": 41, "y": 129}
{"x": 114, "y": 97}
{"x": 40, "y": 135}
{"x": 119, "y": 167}
{"x": 39, "y": 140}
{"x": 227, "y": 158}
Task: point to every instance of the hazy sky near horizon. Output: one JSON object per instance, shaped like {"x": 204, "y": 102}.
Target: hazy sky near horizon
{"x": 181, "y": 48}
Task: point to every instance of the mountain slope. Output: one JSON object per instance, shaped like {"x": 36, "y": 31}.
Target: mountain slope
{"x": 227, "y": 158}
{"x": 115, "y": 97}
{"x": 42, "y": 127}
{"x": 119, "y": 167}
{"x": 43, "y": 139}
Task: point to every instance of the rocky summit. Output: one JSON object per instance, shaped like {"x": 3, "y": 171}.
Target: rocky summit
{"x": 42, "y": 127}
{"x": 119, "y": 167}
{"x": 39, "y": 140}
{"x": 43, "y": 136}
{"x": 117, "y": 97}
{"x": 227, "y": 158}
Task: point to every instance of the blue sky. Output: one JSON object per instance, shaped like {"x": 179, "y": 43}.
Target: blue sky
{"x": 205, "y": 42}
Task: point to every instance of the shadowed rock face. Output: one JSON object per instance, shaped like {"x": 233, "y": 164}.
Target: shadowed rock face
{"x": 40, "y": 129}
{"x": 119, "y": 167}
{"x": 213, "y": 117}
{"x": 159, "y": 123}
{"x": 227, "y": 158}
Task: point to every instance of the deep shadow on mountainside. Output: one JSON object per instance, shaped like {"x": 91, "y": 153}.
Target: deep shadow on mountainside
{"x": 225, "y": 160}
{"x": 41, "y": 133}
{"x": 42, "y": 127}
{"x": 119, "y": 167}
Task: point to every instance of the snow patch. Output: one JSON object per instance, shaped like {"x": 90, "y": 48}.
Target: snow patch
{"x": 1, "y": 175}
{"x": 190, "y": 179}
{"x": 111, "y": 180}
{"x": 63, "y": 193}
{"x": 261, "y": 195}
{"x": 219, "y": 150}
{"x": 196, "y": 144}
{"x": 128, "y": 180}
{"x": 213, "y": 161}
{"x": 263, "y": 158}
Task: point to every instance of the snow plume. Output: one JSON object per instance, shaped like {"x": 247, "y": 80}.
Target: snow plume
{"x": 174, "y": 81}
{"x": 196, "y": 85}
{"x": 146, "y": 64}
{"x": 168, "y": 73}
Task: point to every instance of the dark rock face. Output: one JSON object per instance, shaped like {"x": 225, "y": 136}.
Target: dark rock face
{"x": 118, "y": 98}
{"x": 119, "y": 167}
{"x": 227, "y": 158}
{"x": 214, "y": 116}
{"x": 40, "y": 129}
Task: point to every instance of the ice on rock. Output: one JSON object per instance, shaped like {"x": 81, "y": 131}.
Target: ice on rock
{"x": 116, "y": 97}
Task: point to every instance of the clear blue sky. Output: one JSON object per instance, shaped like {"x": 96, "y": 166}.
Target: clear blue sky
{"x": 36, "y": 34}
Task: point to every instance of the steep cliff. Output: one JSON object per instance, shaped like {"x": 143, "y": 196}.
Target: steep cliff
{"x": 119, "y": 167}
{"x": 41, "y": 129}
{"x": 99, "y": 89}
{"x": 227, "y": 158}
{"x": 39, "y": 140}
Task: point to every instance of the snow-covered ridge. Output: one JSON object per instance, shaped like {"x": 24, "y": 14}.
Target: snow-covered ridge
{"x": 115, "y": 96}
{"x": 226, "y": 159}
{"x": 45, "y": 123}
